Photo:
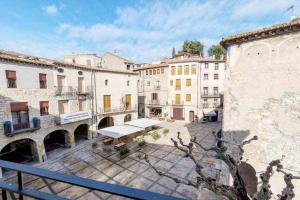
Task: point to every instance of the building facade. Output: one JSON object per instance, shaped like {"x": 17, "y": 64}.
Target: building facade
{"x": 262, "y": 97}
{"x": 189, "y": 88}
{"x": 47, "y": 105}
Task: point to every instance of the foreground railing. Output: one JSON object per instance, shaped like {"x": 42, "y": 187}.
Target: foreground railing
{"x": 19, "y": 188}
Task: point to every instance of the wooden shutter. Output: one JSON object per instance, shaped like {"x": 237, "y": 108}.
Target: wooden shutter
{"x": 43, "y": 77}
{"x": 128, "y": 102}
{"x": 171, "y": 82}
{"x": 107, "y": 103}
{"x": 11, "y": 74}
{"x": 188, "y": 97}
{"x": 177, "y": 99}
{"x": 186, "y": 70}
{"x": 173, "y": 70}
{"x": 162, "y": 70}
{"x": 194, "y": 69}
{"x": 179, "y": 70}
{"x": 178, "y": 84}
{"x": 188, "y": 82}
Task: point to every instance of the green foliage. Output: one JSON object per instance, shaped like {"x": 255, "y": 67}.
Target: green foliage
{"x": 173, "y": 53}
{"x": 155, "y": 135}
{"x": 166, "y": 131}
{"x": 142, "y": 143}
{"x": 217, "y": 51}
{"x": 124, "y": 151}
{"x": 193, "y": 47}
{"x": 7, "y": 127}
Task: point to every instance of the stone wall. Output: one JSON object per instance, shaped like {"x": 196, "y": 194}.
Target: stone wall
{"x": 262, "y": 97}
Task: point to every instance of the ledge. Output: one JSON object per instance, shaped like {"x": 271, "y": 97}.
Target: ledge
{"x": 21, "y": 131}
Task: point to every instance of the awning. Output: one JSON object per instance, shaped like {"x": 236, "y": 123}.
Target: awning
{"x": 119, "y": 131}
{"x": 209, "y": 112}
{"x": 143, "y": 123}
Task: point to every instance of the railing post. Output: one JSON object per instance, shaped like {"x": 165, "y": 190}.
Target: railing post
{"x": 20, "y": 184}
{"x": 4, "y": 195}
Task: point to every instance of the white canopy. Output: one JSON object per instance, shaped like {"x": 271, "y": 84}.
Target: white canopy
{"x": 119, "y": 131}
{"x": 143, "y": 123}
{"x": 209, "y": 112}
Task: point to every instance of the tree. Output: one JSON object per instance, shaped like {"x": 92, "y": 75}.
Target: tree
{"x": 193, "y": 47}
{"x": 173, "y": 53}
{"x": 217, "y": 51}
{"x": 238, "y": 190}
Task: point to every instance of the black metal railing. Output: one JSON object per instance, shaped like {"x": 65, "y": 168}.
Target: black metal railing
{"x": 114, "y": 189}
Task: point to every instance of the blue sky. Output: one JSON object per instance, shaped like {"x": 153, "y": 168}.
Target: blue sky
{"x": 139, "y": 30}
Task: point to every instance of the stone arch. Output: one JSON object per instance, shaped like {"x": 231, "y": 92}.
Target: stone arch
{"x": 106, "y": 122}
{"x": 81, "y": 133}
{"x": 21, "y": 151}
{"x": 248, "y": 174}
{"x": 288, "y": 50}
{"x": 57, "y": 139}
{"x": 127, "y": 118}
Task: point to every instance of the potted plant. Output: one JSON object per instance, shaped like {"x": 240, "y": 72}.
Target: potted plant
{"x": 142, "y": 143}
{"x": 7, "y": 128}
{"x": 36, "y": 122}
{"x": 124, "y": 152}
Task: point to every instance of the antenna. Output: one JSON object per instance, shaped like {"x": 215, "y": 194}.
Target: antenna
{"x": 291, "y": 10}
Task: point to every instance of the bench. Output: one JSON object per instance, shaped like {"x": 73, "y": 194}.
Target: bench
{"x": 107, "y": 141}
{"x": 119, "y": 145}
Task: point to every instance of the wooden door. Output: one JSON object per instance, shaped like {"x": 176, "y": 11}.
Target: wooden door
{"x": 80, "y": 85}
{"x": 107, "y": 103}
{"x": 191, "y": 114}
{"x": 178, "y": 84}
{"x": 177, "y": 113}
{"x": 177, "y": 99}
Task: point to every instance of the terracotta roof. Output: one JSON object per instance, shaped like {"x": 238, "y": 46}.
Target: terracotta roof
{"x": 193, "y": 59}
{"x": 21, "y": 58}
{"x": 270, "y": 31}
{"x": 151, "y": 66}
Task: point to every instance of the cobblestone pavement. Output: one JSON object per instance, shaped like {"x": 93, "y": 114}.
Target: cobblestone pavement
{"x": 95, "y": 164}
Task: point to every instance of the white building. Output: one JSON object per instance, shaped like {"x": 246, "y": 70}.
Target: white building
{"x": 262, "y": 97}
{"x": 188, "y": 87}
{"x": 47, "y": 104}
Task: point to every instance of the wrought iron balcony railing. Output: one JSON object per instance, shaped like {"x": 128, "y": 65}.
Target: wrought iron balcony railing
{"x": 118, "y": 109}
{"x": 154, "y": 102}
{"x": 212, "y": 95}
{"x": 156, "y": 87}
{"x": 70, "y": 91}
{"x": 21, "y": 191}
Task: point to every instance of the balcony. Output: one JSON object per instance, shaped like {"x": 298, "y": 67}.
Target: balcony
{"x": 154, "y": 102}
{"x": 85, "y": 91}
{"x": 205, "y": 105}
{"x": 210, "y": 95}
{"x": 65, "y": 91}
{"x": 156, "y": 87}
{"x": 177, "y": 103}
{"x": 73, "y": 117}
{"x": 118, "y": 109}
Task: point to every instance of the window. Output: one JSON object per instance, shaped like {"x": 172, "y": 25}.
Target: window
{"x": 128, "y": 102}
{"x": 193, "y": 69}
{"x": 150, "y": 72}
{"x": 157, "y": 85}
{"x": 205, "y": 100}
{"x": 158, "y": 71}
{"x": 206, "y": 65}
{"x": 148, "y": 83}
{"x": 216, "y": 90}
{"x": 177, "y": 99}
{"x": 188, "y": 82}
{"x": 43, "y": 81}
{"x": 216, "y": 76}
{"x": 186, "y": 70}
{"x": 63, "y": 106}
{"x": 127, "y": 83}
{"x": 205, "y": 76}
{"x": 11, "y": 77}
{"x": 146, "y": 72}
{"x": 88, "y": 62}
{"x": 44, "y": 108}
{"x": 216, "y": 66}
{"x": 216, "y": 100}
{"x": 154, "y": 96}
{"x": 128, "y": 67}
{"x": 205, "y": 103}
{"x": 81, "y": 88}
{"x": 205, "y": 90}
{"x": 173, "y": 70}
{"x": 106, "y": 103}
{"x": 73, "y": 61}
{"x": 154, "y": 71}
{"x": 171, "y": 82}
{"x": 162, "y": 70}
{"x": 60, "y": 83}
{"x": 20, "y": 116}
{"x": 82, "y": 104}
{"x": 178, "y": 84}
{"x": 188, "y": 97}
{"x": 179, "y": 70}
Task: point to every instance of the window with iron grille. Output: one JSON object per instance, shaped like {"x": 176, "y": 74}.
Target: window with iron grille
{"x": 11, "y": 77}
{"x": 43, "y": 81}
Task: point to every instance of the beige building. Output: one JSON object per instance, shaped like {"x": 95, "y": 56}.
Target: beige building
{"x": 108, "y": 60}
{"x": 189, "y": 88}
{"x": 46, "y": 105}
{"x": 262, "y": 97}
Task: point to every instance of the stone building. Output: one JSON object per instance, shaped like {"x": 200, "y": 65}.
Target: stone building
{"x": 182, "y": 88}
{"x": 46, "y": 104}
{"x": 262, "y": 97}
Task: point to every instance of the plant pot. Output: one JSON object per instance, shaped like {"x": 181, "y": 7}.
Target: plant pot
{"x": 36, "y": 122}
{"x": 7, "y": 128}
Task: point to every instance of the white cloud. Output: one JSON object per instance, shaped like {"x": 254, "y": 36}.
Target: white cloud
{"x": 51, "y": 9}
{"x": 150, "y": 30}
